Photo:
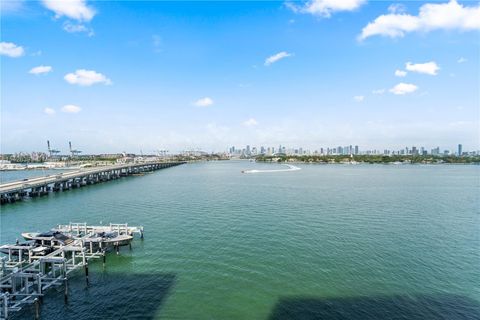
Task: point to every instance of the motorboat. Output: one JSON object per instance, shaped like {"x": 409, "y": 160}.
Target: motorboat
{"x": 24, "y": 247}
{"x": 50, "y": 238}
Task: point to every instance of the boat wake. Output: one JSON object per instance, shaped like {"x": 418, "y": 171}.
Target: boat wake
{"x": 290, "y": 168}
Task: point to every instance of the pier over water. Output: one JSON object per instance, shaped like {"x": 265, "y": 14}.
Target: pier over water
{"x": 34, "y": 187}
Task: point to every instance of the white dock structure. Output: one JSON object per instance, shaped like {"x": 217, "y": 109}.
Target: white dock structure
{"x": 34, "y": 187}
{"x": 26, "y": 275}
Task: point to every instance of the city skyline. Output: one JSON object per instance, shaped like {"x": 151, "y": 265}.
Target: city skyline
{"x": 179, "y": 76}
{"x": 252, "y": 150}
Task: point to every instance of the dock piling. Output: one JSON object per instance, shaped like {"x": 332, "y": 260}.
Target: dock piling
{"x": 65, "y": 280}
{"x": 37, "y": 309}
{"x": 86, "y": 273}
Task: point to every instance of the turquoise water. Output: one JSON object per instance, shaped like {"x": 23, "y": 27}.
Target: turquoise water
{"x": 325, "y": 242}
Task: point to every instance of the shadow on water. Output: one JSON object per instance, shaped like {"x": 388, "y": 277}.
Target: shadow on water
{"x": 109, "y": 296}
{"x": 398, "y": 307}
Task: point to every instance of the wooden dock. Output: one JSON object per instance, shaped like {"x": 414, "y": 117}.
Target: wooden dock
{"x": 34, "y": 187}
{"x": 26, "y": 275}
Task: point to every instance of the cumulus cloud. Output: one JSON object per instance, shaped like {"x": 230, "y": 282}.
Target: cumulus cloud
{"x": 325, "y": 8}
{"x": 40, "y": 70}
{"x": 403, "y": 88}
{"x": 250, "y": 122}
{"x": 397, "y": 8}
{"x": 432, "y": 16}
{"x": 430, "y": 68}
{"x": 400, "y": 73}
{"x": 84, "y": 77}
{"x": 73, "y": 9}
{"x": 10, "y": 49}
{"x": 203, "y": 102}
{"x": 70, "y": 108}
{"x": 462, "y": 60}
{"x": 73, "y": 28}
{"x": 277, "y": 57}
{"x": 359, "y": 98}
{"x": 49, "y": 111}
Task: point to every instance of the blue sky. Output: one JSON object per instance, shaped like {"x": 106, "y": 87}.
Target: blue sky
{"x": 116, "y": 76}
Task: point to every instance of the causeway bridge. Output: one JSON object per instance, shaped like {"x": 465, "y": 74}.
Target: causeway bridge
{"x": 34, "y": 187}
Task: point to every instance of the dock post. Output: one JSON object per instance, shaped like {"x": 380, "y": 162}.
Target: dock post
{"x": 37, "y": 309}
{"x": 130, "y": 245}
{"x": 66, "y": 288}
{"x": 5, "y": 305}
{"x": 39, "y": 285}
{"x": 104, "y": 258}
{"x": 118, "y": 248}
{"x": 86, "y": 273}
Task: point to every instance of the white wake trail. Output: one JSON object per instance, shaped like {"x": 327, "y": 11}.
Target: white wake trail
{"x": 290, "y": 168}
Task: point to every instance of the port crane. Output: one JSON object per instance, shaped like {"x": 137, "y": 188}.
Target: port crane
{"x": 74, "y": 152}
{"x": 51, "y": 151}
{"x": 162, "y": 153}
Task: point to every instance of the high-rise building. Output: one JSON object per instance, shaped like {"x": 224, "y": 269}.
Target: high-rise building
{"x": 459, "y": 150}
{"x": 356, "y": 149}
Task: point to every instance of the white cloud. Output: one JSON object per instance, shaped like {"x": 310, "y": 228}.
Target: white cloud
{"x": 359, "y": 98}
{"x": 73, "y": 9}
{"x": 250, "y": 122}
{"x": 378, "y": 91}
{"x": 40, "y": 70}
{"x": 432, "y": 16}
{"x": 403, "y": 88}
{"x": 84, "y": 77}
{"x": 325, "y": 8}
{"x": 49, "y": 111}
{"x": 11, "y": 50}
{"x": 277, "y": 57}
{"x": 397, "y": 8}
{"x": 70, "y": 108}
{"x": 400, "y": 73}
{"x": 430, "y": 68}
{"x": 203, "y": 102}
{"x": 73, "y": 28}
{"x": 462, "y": 60}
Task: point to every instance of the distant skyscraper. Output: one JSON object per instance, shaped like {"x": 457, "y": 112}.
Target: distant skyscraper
{"x": 356, "y": 149}
{"x": 459, "y": 149}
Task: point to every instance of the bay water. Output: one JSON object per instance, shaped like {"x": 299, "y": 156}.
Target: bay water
{"x": 323, "y": 242}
